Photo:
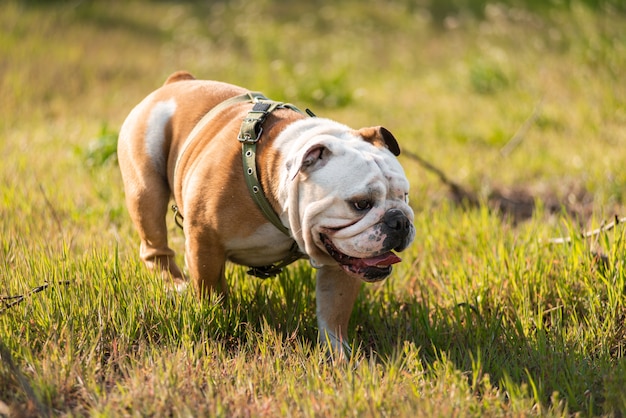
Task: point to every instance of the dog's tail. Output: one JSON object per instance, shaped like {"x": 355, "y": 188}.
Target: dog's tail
{"x": 179, "y": 76}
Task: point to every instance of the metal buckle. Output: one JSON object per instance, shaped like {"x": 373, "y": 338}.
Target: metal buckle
{"x": 178, "y": 217}
{"x": 252, "y": 127}
{"x": 245, "y": 137}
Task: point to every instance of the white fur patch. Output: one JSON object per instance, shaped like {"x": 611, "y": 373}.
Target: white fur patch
{"x": 159, "y": 117}
{"x": 265, "y": 246}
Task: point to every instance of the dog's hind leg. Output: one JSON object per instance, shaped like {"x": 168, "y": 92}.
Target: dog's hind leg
{"x": 147, "y": 191}
{"x": 149, "y": 211}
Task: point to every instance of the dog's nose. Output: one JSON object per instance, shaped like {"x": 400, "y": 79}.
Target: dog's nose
{"x": 397, "y": 221}
{"x": 399, "y": 229}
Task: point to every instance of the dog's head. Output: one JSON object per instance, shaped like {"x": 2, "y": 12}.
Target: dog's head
{"x": 347, "y": 197}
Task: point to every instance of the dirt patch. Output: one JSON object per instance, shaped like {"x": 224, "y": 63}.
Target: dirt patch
{"x": 518, "y": 203}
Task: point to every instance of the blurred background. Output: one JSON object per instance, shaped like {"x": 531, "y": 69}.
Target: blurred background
{"x": 516, "y": 100}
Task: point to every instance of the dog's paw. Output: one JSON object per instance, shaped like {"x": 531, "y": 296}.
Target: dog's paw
{"x": 174, "y": 284}
{"x": 180, "y": 285}
{"x": 335, "y": 349}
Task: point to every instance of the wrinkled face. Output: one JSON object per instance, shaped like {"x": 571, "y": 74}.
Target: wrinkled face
{"x": 353, "y": 207}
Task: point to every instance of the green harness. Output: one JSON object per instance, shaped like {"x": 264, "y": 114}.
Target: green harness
{"x": 249, "y": 134}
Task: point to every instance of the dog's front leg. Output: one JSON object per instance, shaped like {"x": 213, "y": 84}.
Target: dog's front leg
{"x": 336, "y": 293}
{"x": 206, "y": 262}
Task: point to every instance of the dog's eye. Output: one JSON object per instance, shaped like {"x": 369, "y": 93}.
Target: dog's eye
{"x": 362, "y": 205}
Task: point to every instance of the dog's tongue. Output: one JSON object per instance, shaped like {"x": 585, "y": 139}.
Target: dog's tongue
{"x": 382, "y": 260}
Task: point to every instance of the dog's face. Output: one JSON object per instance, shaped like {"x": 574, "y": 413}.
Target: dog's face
{"x": 352, "y": 201}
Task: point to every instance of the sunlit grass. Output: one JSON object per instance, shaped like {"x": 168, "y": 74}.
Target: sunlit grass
{"x": 483, "y": 317}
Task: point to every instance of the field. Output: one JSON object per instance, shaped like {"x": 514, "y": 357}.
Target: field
{"x": 512, "y": 116}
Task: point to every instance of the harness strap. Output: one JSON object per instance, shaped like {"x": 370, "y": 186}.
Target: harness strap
{"x": 246, "y": 97}
{"x": 249, "y": 134}
{"x": 266, "y": 272}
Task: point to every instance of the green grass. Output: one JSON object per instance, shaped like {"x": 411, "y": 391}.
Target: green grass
{"x": 483, "y": 317}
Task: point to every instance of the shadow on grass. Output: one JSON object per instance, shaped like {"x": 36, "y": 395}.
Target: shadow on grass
{"x": 479, "y": 340}
{"x": 538, "y": 364}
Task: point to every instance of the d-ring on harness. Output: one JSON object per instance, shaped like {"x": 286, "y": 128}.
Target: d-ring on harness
{"x": 249, "y": 134}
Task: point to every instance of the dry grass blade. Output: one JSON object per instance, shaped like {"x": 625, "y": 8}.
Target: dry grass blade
{"x": 7, "y": 358}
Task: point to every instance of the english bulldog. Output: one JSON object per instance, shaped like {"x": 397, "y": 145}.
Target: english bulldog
{"x": 260, "y": 183}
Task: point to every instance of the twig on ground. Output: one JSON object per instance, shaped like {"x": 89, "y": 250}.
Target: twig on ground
{"x": 589, "y": 234}
{"x": 459, "y": 192}
{"x": 17, "y": 299}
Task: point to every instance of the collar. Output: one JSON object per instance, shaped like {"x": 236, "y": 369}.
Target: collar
{"x": 249, "y": 134}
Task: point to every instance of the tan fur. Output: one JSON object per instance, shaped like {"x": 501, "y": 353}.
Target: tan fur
{"x": 147, "y": 195}
{"x": 210, "y": 191}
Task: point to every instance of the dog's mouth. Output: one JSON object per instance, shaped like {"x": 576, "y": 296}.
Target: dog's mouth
{"x": 372, "y": 269}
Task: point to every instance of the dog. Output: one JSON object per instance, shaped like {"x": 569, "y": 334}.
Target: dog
{"x": 261, "y": 184}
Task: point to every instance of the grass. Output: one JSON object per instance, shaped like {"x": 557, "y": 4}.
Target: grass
{"x": 483, "y": 317}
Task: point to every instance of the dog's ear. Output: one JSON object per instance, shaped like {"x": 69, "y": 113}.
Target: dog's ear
{"x": 315, "y": 157}
{"x": 380, "y": 137}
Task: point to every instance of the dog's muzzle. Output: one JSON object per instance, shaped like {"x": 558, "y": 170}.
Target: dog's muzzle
{"x": 398, "y": 232}
{"x": 398, "y": 229}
